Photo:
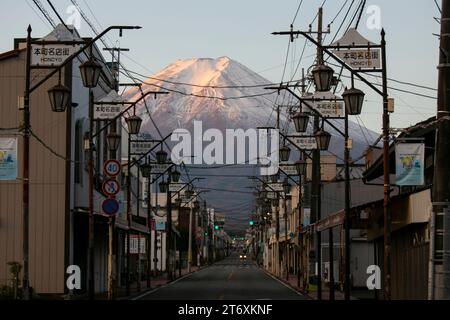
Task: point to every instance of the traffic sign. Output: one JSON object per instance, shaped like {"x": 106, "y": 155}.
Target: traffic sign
{"x": 110, "y": 207}
{"x": 112, "y": 168}
{"x": 111, "y": 187}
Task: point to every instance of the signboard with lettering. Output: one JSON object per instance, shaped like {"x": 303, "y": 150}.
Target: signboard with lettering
{"x": 51, "y": 55}
{"x": 105, "y": 112}
{"x": 304, "y": 142}
{"x": 141, "y": 147}
{"x": 176, "y": 187}
{"x": 159, "y": 168}
{"x": 289, "y": 168}
{"x": 360, "y": 58}
{"x": 275, "y": 187}
{"x": 107, "y": 107}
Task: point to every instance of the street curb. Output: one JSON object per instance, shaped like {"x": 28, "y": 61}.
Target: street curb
{"x": 287, "y": 284}
{"x": 149, "y": 291}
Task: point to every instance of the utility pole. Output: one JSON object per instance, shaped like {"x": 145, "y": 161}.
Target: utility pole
{"x": 347, "y": 284}
{"x": 386, "y": 176}
{"x": 440, "y": 248}
{"x": 169, "y": 228}
{"x": 150, "y": 227}
{"x": 138, "y": 207}
{"x": 286, "y": 246}
{"x": 190, "y": 239}
{"x": 129, "y": 217}
{"x": 316, "y": 176}
{"x": 111, "y": 223}
{"x": 116, "y": 70}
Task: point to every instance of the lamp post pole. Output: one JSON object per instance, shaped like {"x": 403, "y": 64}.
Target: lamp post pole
{"x": 128, "y": 262}
{"x": 91, "y": 283}
{"x": 169, "y": 229}
{"x": 26, "y": 171}
{"x": 190, "y": 240}
{"x": 150, "y": 224}
{"x": 111, "y": 236}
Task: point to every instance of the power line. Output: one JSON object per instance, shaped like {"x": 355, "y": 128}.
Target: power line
{"x": 296, "y": 13}
{"x": 206, "y": 96}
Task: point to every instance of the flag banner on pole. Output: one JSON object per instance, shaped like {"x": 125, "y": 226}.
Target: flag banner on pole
{"x": 8, "y": 159}
{"x": 410, "y": 160}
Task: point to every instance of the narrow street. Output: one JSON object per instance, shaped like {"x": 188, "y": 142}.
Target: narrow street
{"x": 230, "y": 279}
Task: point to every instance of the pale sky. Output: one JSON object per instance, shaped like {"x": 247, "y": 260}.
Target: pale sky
{"x": 241, "y": 30}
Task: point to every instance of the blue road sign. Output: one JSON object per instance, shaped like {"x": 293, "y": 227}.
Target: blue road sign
{"x": 110, "y": 207}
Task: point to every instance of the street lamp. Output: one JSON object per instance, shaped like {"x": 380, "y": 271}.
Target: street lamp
{"x": 163, "y": 185}
{"x": 161, "y": 157}
{"x": 323, "y": 139}
{"x": 113, "y": 140}
{"x": 285, "y": 153}
{"x": 301, "y": 167}
{"x": 134, "y": 124}
{"x": 189, "y": 193}
{"x": 275, "y": 202}
{"x": 196, "y": 204}
{"x": 323, "y": 76}
{"x": 59, "y": 97}
{"x": 175, "y": 176}
{"x": 286, "y": 187}
{"x": 146, "y": 170}
{"x": 301, "y": 120}
{"x": 353, "y": 99}
{"x": 90, "y": 73}
{"x": 274, "y": 178}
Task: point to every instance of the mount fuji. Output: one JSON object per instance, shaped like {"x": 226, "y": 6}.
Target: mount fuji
{"x": 224, "y": 94}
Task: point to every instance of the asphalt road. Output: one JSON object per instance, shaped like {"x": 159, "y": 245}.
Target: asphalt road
{"x": 230, "y": 279}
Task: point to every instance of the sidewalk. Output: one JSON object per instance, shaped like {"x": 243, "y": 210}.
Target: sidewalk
{"x": 155, "y": 282}
{"x": 312, "y": 293}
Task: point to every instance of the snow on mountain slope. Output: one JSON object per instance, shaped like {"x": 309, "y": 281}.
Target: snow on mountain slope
{"x": 224, "y": 80}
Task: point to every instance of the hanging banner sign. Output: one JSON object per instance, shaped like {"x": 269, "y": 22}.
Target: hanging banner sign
{"x": 360, "y": 58}
{"x": 51, "y": 55}
{"x": 8, "y": 159}
{"x": 141, "y": 147}
{"x": 176, "y": 187}
{"x": 106, "y": 112}
{"x": 410, "y": 163}
{"x": 326, "y": 103}
{"x": 275, "y": 187}
{"x": 304, "y": 143}
{"x": 160, "y": 168}
{"x": 289, "y": 168}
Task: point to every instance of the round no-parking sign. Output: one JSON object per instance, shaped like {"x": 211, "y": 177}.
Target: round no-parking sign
{"x": 110, "y": 207}
{"x": 112, "y": 168}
